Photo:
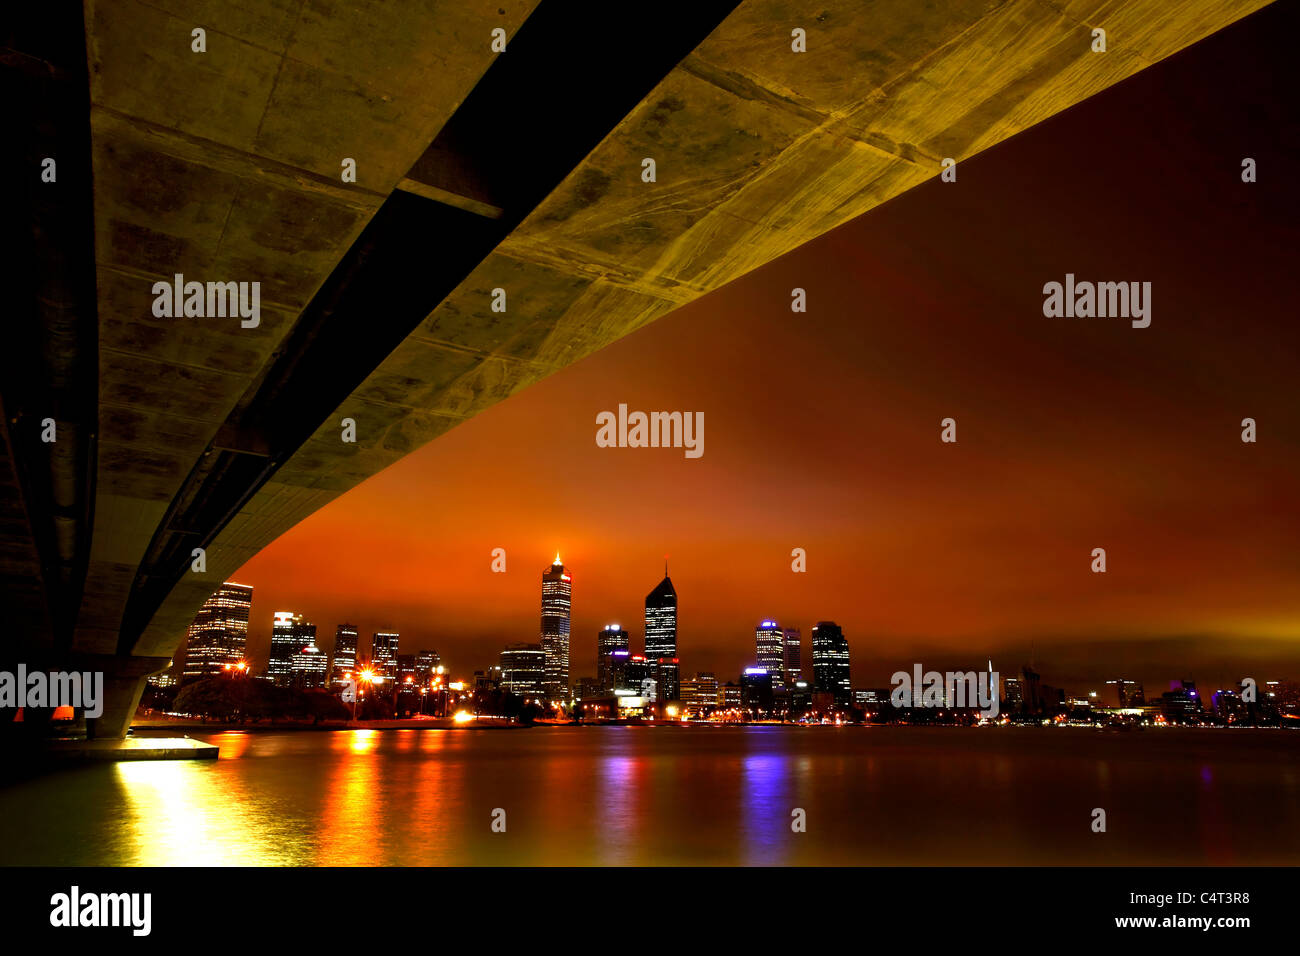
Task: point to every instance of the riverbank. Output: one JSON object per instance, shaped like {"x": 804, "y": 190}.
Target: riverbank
{"x": 165, "y": 727}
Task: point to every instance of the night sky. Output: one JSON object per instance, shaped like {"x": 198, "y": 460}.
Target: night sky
{"x": 822, "y": 429}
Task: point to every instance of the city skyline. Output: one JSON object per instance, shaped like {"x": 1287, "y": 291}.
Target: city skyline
{"x": 869, "y": 673}
{"x": 823, "y": 428}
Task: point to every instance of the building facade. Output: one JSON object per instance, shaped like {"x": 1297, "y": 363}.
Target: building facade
{"x": 524, "y": 670}
{"x": 309, "y": 666}
{"x": 661, "y": 638}
{"x": 383, "y": 653}
{"x": 609, "y": 639}
{"x": 793, "y": 656}
{"x": 557, "y": 604}
{"x": 426, "y": 665}
{"x": 219, "y": 634}
{"x": 344, "y": 660}
{"x": 769, "y": 641}
{"x": 830, "y": 652}
{"x": 289, "y": 635}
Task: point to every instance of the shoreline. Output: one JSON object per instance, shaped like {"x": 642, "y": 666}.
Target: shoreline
{"x": 164, "y": 728}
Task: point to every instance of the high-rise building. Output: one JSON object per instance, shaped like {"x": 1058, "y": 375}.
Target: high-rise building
{"x": 756, "y": 692}
{"x": 661, "y": 637}
{"x": 872, "y": 699}
{"x": 557, "y": 602}
{"x": 308, "y": 666}
{"x": 589, "y": 688}
{"x": 1122, "y": 693}
{"x": 801, "y": 696}
{"x": 1013, "y": 693}
{"x": 770, "y": 642}
{"x": 609, "y": 639}
{"x": 830, "y": 653}
{"x": 793, "y": 656}
{"x": 700, "y": 694}
{"x": 345, "y": 653}
{"x": 426, "y": 665}
{"x": 289, "y": 635}
{"x": 219, "y": 634}
{"x": 383, "y": 653}
{"x": 1181, "y": 703}
{"x": 633, "y": 675}
{"x": 406, "y": 669}
{"x": 524, "y": 670}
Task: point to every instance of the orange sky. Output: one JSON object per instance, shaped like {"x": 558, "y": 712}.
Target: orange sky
{"x": 822, "y": 429}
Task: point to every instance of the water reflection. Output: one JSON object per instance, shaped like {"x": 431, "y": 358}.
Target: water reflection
{"x": 681, "y": 795}
{"x": 179, "y": 814}
{"x": 350, "y": 800}
{"x": 765, "y": 809}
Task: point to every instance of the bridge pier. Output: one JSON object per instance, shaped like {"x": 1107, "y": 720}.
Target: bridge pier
{"x": 124, "y": 680}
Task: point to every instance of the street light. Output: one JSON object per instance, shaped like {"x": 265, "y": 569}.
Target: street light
{"x": 369, "y": 677}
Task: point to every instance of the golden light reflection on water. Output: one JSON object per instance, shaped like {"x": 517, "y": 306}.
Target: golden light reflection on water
{"x": 364, "y": 798}
{"x": 349, "y": 803}
{"x": 179, "y": 813}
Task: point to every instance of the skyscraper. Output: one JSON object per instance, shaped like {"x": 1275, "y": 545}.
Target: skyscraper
{"x": 661, "y": 638}
{"x": 308, "y": 666}
{"x": 700, "y": 695}
{"x": 383, "y": 653}
{"x": 793, "y": 656}
{"x": 345, "y": 652}
{"x": 219, "y": 633}
{"x": 426, "y": 665}
{"x": 770, "y": 642}
{"x": 524, "y": 670}
{"x": 557, "y": 600}
{"x": 830, "y": 654}
{"x": 756, "y": 692}
{"x": 289, "y": 635}
{"x": 608, "y": 640}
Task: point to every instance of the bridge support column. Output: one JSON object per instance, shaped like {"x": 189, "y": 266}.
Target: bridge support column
{"x": 124, "y": 679}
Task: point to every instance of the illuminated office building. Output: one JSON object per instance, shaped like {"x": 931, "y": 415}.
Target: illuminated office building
{"x": 383, "y": 653}
{"x": 426, "y": 665}
{"x": 830, "y": 653}
{"x": 609, "y": 639}
{"x": 345, "y": 653}
{"x": 1123, "y": 694}
{"x": 219, "y": 634}
{"x": 289, "y": 635}
{"x": 661, "y": 638}
{"x": 756, "y": 692}
{"x": 729, "y": 696}
{"x": 700, "y": 694}
{"x": 557, "y": 602}
{"x": 524, "y": 670}
{"x": 633, "y": 675}
{"x": 770, "y": 643}
{"x": 406, "y": 668}
{"x": 793, "y": 656}
{"x": 1013, "y": 693}
{"x": 309, "y": 666}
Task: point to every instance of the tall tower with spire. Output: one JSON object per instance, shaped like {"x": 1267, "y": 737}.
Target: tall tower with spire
{"x": 661, "y": 638}
{"x": 557, "y": 601}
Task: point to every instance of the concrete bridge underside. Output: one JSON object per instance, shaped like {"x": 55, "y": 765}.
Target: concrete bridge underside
{"x": 475, "y": 170}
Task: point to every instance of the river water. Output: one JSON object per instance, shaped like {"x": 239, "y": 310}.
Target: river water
{"x": 676, "y": 795}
